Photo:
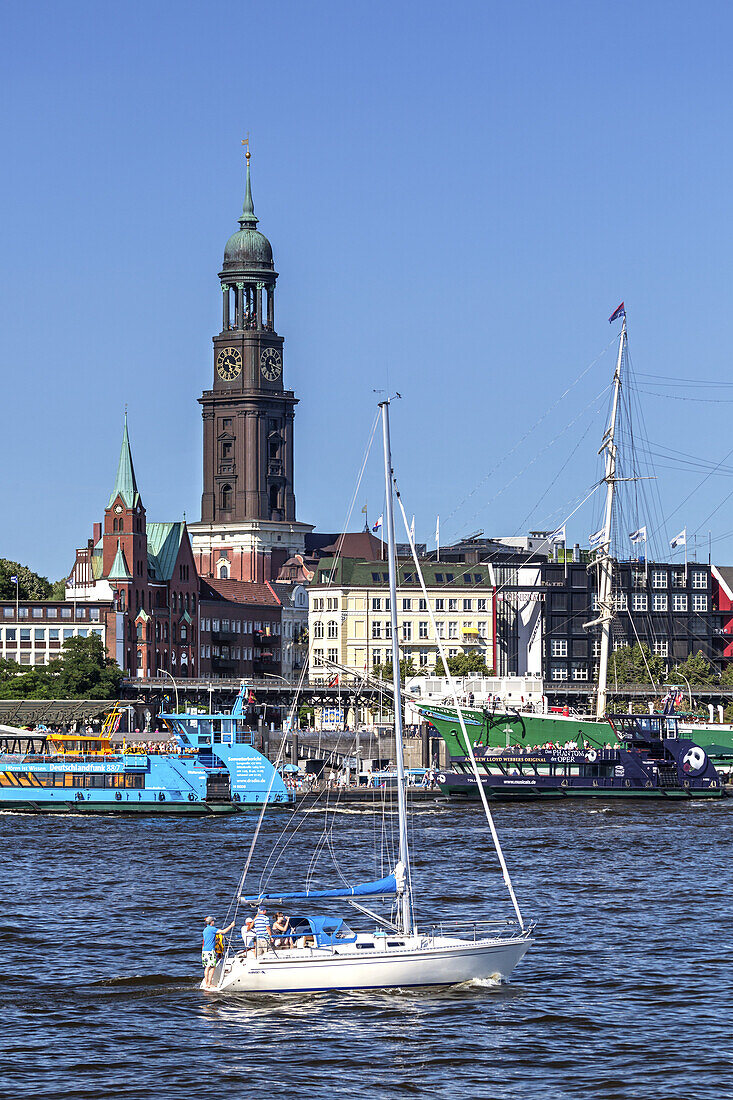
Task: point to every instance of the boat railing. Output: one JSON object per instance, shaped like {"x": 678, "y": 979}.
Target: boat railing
{"x": 475, "y": 929}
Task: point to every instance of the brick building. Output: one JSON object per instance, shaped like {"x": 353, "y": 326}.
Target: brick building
{"x": 240, "y": 630}
{"x": 145, "y": 573}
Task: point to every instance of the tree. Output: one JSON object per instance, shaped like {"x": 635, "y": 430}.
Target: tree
{"x": 464, "y": 664}
{"x": 633, "y": 664}
{"x": 407, "y": 668}
{"x": 726, "y": 677}
{"x": 58, "y": 589}
{"x": 31, "y": 586}
{"x": 696, "y": 669}
{"x": 83, "y": 671}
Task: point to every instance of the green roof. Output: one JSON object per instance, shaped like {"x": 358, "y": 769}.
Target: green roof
{"x": 365, "y": 574}
{"x": 125, "y": 485}
{"x": 119, "y": 570}
{"x": 164, "y": 542}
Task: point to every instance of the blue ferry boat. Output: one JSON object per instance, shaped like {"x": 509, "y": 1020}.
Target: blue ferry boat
{"x": 650, "y": 760}
{"x": 224, "y": 740}
{"x": 217, "y": 770}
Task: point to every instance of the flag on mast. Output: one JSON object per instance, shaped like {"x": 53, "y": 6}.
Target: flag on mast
{"x": 638, "y": 535}
{"x": 620, "y": 312}
{"x": 558, "y": 535}
{"x": 596, "y": 538}
{"x": 412, "y": 531}
{"x": 378, "y": 524}
{"x": 679, "y": 540}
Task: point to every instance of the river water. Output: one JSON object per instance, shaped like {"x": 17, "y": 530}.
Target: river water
{"x": 626, "y": 992}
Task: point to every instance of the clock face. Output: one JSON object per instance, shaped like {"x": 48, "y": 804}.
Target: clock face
{"x": 228, "y": 364}
{"x": 118, "y": 508}
{"x": 271, "y": 364}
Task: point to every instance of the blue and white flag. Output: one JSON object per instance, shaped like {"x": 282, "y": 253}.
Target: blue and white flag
{"x": 619, "y": 312}
{"x": 558, "y": 536}
{"x": 378, "y": 524}
{"x": 596, "y": 539}
{"x": 637, "y": 536}
{"x": 13, "y": 580}
{"x": 679, "y": 540}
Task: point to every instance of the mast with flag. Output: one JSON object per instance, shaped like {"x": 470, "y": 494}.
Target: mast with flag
{"x": 603, "y": 554}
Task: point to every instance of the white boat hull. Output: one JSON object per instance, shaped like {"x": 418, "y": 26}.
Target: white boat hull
{"x": 421, "y": 962}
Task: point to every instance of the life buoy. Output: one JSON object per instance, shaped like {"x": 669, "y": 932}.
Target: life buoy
{"x": 118, "y": 796}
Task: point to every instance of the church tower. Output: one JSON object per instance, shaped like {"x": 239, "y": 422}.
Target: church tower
{"x": 248, "y": 526}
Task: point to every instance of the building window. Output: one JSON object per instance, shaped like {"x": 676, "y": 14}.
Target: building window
{"x": 594, "y": 604}
{"x": 225, "y": 498}
{"x": 452, "y": 629}
{"x": 376, "y": 629}
{"x": 659, "y": 578}
{"x": 440, "y": 630}
{"x": 699, "y": 602}
{"x": 223, "y": 572}
{"x": 333, "y": 629}
{"x": 333, "y": 655}
{"x": 424, "y": 657}
{"x": 679, "y": 601}
{"x": 659, "y": 603}
{"x": 678, "y": 578}
{"x": 638, "y": 578}
{"x": 376, "y": 657}
{"x": 481, "y": 604}
{"x": 318, "y": 629}
{"x": 558, "y": 647}
{"x": 620, "y": 601}
{"x": 65, "y": 612}
{"x": 376, "y": 603}
{"x": 640, "y": 601}
{"x": 452, "y": 605}
{"x": 422, "y": 629}
{"x": 440, "y": 604}
{"x": 468, "y": 605}
{"x": 483, "y": 628}
{"x": 558, "y": 672}
{"x": 596, "y": 647}
{"x": 619, "y": 643}
{"x": 422, "y": 604}
{"x": 580, "y": 671}
{"x": 39, "y": 635}
{"x": 407, "y": 604}
{"x": 699, "y": 579}
{"x": 37, "y": 612}
{"x": 407, "y": 632}
{"x": 661, "y": 649}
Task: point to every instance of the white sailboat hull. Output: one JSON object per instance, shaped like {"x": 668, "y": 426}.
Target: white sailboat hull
{"x": 420, "y": 962}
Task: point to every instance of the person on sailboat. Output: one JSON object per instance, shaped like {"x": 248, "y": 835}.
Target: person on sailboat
{"x": 208, "y": 948}
{"x": 263, "y": 932}
{"x": 280, "y": 927}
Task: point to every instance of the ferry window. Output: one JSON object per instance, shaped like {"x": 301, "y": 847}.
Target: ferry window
{"x": 96, "y": 780}
{"x": 135, "y": 781}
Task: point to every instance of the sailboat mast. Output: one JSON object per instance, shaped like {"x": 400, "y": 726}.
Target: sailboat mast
{"x": 605, "y": 575}
{"x": 404, "y": 851}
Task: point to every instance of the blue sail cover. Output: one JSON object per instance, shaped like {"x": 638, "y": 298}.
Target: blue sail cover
{"x": 382, "y": 886}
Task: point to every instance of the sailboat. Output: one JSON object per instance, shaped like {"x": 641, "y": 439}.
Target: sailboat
{"x": 328, "y": 953}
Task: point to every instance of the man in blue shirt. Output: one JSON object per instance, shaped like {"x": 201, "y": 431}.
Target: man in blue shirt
{"x": 208, "y": 948}
{"x": 263, "y": 931}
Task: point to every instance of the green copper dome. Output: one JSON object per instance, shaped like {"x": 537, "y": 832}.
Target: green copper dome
{"x": 248, "y": 249}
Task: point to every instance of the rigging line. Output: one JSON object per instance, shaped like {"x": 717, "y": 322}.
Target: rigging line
{"x": 715, "y": 509}
{"x": 641, "y": 650}
{"x": 454, "y": 692}
{"x": 554, "y": 481}
{"x": 682, "y": 381}
{"x": 532, "y": 461}
{"x": 529, "y": 431}
{"x": 686, "y": 397}
{"x": 339, "y": 549}
{"x": 698, "y": 486}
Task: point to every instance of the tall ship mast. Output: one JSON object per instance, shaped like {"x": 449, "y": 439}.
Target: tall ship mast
{"x": 604, "y": 560}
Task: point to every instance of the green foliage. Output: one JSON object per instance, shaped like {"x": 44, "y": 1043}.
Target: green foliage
{"x": 696, "y": 669}
{"x": 628, "y": 665}
{"x": 58, "y": 589}
{"x": 82, "y": 671}
{"x": 30, "y": 585}
{"x": 726, "y": 677}
{"x": 464, "y": 664}
{"x": 407, "y": 668}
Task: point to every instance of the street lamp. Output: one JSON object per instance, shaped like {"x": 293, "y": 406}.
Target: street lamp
{"x": 175, "y": 685}
{"x": 689, "y": 689}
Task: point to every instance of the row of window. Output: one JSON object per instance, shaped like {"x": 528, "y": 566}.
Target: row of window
{"x": 559, "y": 646}
{"x": 42, "y": 635}
{"x": 238, "y": 626}
{"x": 85, "y": 779}
{"x": 409, "y": 603}
{"x": 52, "y": 613}
{"x": 678, "y": 577}
{"x": 660, "y": 601}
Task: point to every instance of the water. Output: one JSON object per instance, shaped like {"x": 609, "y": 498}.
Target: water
{"x": 625, "y": 994}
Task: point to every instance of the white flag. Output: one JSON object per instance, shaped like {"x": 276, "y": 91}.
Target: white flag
{"x": 412, "y": 531}
{"x": 637, "y": 536}
{"x": 559, "y": 535}
{"x": 679, "y": 540}
{"x": 437, "y": 530}
{"x": 378, "y": 524}
{"x": 596, "y": 538}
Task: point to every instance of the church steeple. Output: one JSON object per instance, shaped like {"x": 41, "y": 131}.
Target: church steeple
{"x": 248, "y": 219}
{"x": 125, "y": 484}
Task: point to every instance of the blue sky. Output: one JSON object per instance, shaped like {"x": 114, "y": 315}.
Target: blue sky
{"x": 457, "y": 195}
